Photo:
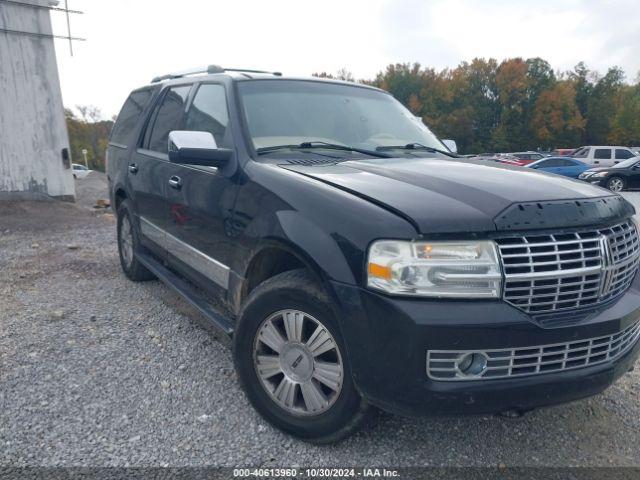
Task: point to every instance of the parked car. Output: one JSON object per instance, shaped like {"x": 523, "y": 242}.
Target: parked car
{"x": 606, "y": 156}
{"x": 526, "y": 158}
{"x": 565, "y": 166}
{"x": 623, "y": 176}
{"x": 80, "y": 171}
{"x": 353, "y": 261}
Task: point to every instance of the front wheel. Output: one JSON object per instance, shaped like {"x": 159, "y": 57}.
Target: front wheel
{"x": 615, "y": 184}
{"x": 292, "y": 361}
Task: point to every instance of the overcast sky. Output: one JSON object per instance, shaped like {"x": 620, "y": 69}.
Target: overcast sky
{"x": 129, "y": 42}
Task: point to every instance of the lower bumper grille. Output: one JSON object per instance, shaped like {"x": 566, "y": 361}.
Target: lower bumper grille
{"x": 535, "y": 360}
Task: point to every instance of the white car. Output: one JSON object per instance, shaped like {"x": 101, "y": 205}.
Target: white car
{"x": 603, "y": 156}
{"x": 80, "y": 171}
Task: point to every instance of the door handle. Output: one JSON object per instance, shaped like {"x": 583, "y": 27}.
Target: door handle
{"x": 133, "y": 168}
{"x": 175, "y": 182}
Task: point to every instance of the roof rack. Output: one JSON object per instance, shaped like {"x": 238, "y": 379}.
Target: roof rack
{"x": 209, "y": 70}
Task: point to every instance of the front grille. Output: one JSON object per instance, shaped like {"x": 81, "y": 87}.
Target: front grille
{"x": 534, "y": 360}
{"x": 566, "y": 271}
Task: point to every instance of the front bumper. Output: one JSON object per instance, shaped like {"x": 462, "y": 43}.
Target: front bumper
{"x": 388, "y": 339}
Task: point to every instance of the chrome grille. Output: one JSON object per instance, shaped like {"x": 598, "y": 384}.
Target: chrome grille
{"x": 534, "y": 360}
{"x": 560, "y": 272}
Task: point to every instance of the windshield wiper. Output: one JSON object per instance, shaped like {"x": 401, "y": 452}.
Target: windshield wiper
{"x": 324, "y": 145}
{"x": 417, "y": 146}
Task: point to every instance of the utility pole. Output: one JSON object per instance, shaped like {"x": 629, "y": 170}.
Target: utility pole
{"x": 84, "y": 154}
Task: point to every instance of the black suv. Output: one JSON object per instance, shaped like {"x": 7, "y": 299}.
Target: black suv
{"x": 353, "y": 260}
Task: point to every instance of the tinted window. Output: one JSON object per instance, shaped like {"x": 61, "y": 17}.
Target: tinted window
{"x": 622, "y": 154}
{"x": 552, "y": 162}
{"x": 123, "y": 130}
{"x": 208, "y": 112}
{"x": 168, "y": 117}
{"x": 602, "y": 153}
{"x": 565, "y": 163}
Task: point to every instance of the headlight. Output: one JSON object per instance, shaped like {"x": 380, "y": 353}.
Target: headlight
{"x": 435, "y": 269}
{"x": 600, "y": 174}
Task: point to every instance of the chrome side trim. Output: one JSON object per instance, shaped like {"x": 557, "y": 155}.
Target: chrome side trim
{"x": 199, "y": 261}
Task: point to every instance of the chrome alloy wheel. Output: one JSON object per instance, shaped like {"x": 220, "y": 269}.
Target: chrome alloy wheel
{"x": 298, "y": 362}
{"x": 126, "y": 241}
{"x": 615, "y": 184}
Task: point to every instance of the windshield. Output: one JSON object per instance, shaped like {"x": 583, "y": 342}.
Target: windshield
{"x": 291, "y": 112}
{"x": 627, "y": 163}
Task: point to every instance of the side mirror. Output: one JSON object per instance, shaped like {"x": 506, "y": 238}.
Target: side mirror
{"x": 196, "y": 148}
{"x": 451, "y": 145}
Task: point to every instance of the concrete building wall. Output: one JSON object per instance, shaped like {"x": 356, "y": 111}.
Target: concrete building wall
{"x": 32, "y": 124}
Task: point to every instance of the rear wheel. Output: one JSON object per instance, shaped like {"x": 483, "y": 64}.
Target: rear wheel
{"x": 615, "y": 184}
{"x": 292, "y": 361}
{"x": 128, "y": 244}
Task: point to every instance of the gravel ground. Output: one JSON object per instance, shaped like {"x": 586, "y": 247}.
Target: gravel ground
{"x": 98, "y": 371}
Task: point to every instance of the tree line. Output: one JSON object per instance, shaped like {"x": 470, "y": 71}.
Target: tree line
{"x": 517, "y": 104}
{"x": 485, "y": 105}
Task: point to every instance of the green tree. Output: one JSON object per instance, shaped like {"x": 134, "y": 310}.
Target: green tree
{"x": 625, "y": 124}
{"x": 601, "y": 106}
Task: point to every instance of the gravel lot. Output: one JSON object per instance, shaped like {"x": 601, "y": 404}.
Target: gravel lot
{"x": 99, "y": 371}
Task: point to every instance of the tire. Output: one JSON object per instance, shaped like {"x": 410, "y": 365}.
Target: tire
{"x": 616, "y": 184}
{"x": 128, "y": 244}
{"x": 340, "y": 410}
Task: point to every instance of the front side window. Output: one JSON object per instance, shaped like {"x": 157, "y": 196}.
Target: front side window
{"x": 602, "y": 153}
{"x": 623, "y": 154}
{"x": 290, "y": 112}
{"x": 167, "y": 117}
{"x": 208, "y": 113}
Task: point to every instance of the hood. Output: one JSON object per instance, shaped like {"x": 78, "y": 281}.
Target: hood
{"x": 450, "y": 196}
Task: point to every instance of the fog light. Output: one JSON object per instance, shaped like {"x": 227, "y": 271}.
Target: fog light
{"x": 472, "y": 364}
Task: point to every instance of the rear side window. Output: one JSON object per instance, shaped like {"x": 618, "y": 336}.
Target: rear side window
{"x": 167, "y": 117}
{"x": 602, "y": 153}
{"x": 581, "y": 153}
{"x": 554, "y": 162}
{"x": 622, "y": 154}
{"x": 208, "y": 112}
{"x": 124, "y": 128}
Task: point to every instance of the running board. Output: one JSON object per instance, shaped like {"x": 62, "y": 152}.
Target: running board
{"x": 216, "y": 322}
